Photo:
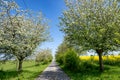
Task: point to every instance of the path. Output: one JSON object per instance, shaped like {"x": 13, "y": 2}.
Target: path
{"x": 53, "y": 72}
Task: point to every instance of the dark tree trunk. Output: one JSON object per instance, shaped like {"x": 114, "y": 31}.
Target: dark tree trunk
{"x": 19, "y": 66}
{"x": 100, "y": 59}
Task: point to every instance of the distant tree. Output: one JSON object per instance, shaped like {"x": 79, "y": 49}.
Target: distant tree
{"x": 119, "y": 54}
{"x": 92, "y": 24}
{"x": 5, "y": 57}
{"x": 44, "y": 56}
{"x": 62, "y": 48}
{"x": 20, "y": 33}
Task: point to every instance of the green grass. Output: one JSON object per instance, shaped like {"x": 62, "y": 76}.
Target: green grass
{"x": 30, "y": 71}
{"x": 110, "y": 73}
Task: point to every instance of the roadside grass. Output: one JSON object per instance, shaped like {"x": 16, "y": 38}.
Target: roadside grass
{"x": 89, "y": 69}
{"x": 30, "y": 71}
{"x": 110, "y": 73}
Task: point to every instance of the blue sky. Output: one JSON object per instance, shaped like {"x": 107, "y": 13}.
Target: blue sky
{"x": 51, "y": 9}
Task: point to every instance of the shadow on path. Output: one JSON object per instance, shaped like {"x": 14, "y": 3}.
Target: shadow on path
{"x": 53, "y": 72}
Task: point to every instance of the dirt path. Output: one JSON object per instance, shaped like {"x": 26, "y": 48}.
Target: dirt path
{"x": 53, "y": 72}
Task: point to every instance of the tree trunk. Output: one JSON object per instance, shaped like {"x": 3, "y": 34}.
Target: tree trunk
{"x": 100, "y": 59}
{"x": 19, "y": 66}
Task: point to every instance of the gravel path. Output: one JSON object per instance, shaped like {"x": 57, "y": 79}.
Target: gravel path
{"x": 53, "y": 72}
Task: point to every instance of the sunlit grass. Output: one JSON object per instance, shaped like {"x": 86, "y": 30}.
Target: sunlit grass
{"x": 30, "y": 71}
{"x": 112, "y": 73}
{"x": 89, "y": 70}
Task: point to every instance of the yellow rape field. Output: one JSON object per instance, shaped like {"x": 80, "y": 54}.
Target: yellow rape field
{"x": 96, "y": 58}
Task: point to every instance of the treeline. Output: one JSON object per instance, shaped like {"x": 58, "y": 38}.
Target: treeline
{"x": 44, "y": 56}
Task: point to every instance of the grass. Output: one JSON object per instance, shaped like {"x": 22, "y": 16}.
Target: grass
{"x": 89, "y": 70}
{"x": 30, "y": 71}
{"x": 109, "y": 74}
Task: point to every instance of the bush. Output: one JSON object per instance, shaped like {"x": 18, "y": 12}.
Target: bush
{"x": 62, "y": 48}
{"x": 88, "y": 65}
{"x": 71, "y": 60}
{"x": 60, "y": 58}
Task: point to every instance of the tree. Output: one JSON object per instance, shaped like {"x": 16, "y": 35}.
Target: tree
{"x": 44, "y": 56}
{"x": 92, "y": 24}
{"x": 62, "y": 48}
{"x": 20, "y": 33}
{"x": 118, "y": 0}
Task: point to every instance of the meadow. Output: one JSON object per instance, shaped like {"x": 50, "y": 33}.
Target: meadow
{"x": 89, "y": 69}
{"x": 30, "y": 70}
